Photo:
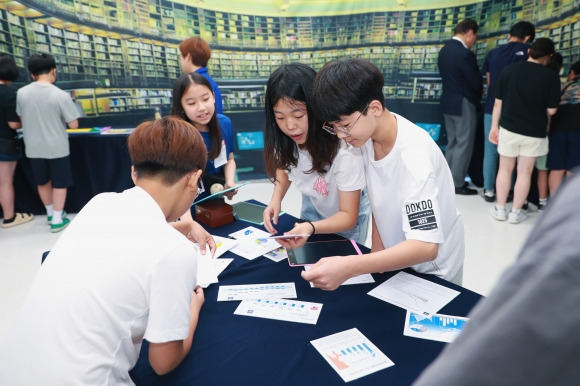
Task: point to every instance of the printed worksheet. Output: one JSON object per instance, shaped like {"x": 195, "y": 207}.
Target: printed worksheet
{"x": 365, "y": 278}
{"x": 442, "y": 328}
{"x": 223, "y": 244}
{"x": 253, "y": 242}
{"x": 277, "y": 254}
{"x": 257, "y": 291}
{"x": 414, "y": 294}
{"x": 351, "y": 354}
{"x": 281, "y": 309}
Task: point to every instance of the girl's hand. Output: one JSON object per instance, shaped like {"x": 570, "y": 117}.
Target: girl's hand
{"x": 271, "y": 217}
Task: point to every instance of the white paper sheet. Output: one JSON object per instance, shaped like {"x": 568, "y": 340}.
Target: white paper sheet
{"x": 442, "y": 328}
{"x": 257, "y": 291}
{"x": 414, "y": 294}
{"x": 365, "y": 278}
{"x": 351, "y": 354}
{"x": 223, "y": 244}
{"x": 206, "y": 274}
{"x": 253, "y": 242}
{"x": 281, "y": 309}
{"x": 277, "y": 254}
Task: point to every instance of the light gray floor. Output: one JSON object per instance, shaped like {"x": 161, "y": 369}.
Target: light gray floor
{"x": 491, "y": 246}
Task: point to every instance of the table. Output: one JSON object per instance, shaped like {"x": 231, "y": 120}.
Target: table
{"x": 100, "y": 163}
{"x": 236, "y": 350}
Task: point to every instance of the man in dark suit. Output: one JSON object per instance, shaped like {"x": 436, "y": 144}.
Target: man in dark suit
{"x": 460, "y": 100}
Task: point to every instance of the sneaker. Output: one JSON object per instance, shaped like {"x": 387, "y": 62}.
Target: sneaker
{"x": 529, "y": 207}
{"x": 60, "y": 226}
{"x": 516, "y": 218}
{"x": 49, "y": 218}
{"x": 541, "y": 207}
{"x": 498, "y": 214}
{"x": 488, "y": 195}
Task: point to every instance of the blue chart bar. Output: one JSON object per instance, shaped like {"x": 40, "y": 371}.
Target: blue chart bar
{"x": 368, "y": 348}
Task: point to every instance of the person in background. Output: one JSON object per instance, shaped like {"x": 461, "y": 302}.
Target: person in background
{"x": 564, "y": 154}
{"x": 460, "y": 100}
{"x": 555, "y": 63}
{"x": 45, "y": 112}
{"x": 526, "y": 94}
{"x": 195, "y": 54}
{"x": 119, "y": 274}
{"x": 526, "y": 331}
{"x": 9, "y": 152}
{"x": 520, "y": 36}
{"x": 415, "y": 219}
{"x": 328, "y": 173}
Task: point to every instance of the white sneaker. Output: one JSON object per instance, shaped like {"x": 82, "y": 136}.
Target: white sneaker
{"x": 498, "y": 214}
{"x": 515, "y": 218}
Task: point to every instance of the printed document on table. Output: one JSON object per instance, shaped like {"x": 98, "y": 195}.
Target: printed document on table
{"x": 253, "y": 242}
{"x": 365, "y": 278}
{"x": 442, "y": 328}
{"x": 277, "y": 254}
{"x": 351, "y": 354}
{"x": 280, "y": 309}
{"x": 206, "y": 274}
{"x": 257, "y": 291}
{"x": 414, "y": 294}
{"x": 223, "y": 244}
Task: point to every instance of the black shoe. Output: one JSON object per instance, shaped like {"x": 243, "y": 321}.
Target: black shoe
{"x": 488, "y": 195}
{"x": 465, "y": 191}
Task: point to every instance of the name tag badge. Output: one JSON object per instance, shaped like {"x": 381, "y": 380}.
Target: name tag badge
{"x": 221, "y": 159}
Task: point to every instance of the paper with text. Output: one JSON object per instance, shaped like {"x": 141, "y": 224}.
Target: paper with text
{"x": 442, "y": 328}
{"x": 351, "y": 354}
{"x": 281, "y": 309}
{"x": 257, "y": 291}
{"x": 414, "y": 294}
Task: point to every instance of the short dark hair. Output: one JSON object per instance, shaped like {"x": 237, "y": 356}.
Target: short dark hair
{"x": 344, "y": 86}
{"x": 541, "y": 47}
{"x": 39, "y": 64}
{"x": 522, "y": 29}
{"x": 292, "y": 83}
{"x": 576, "y": 68}
{"x": 168, "y": 148}
{"x": 179, "y": 89}
{"x": 555, "y": 62}
{"x": 466, "y": 26}
{"x": 8, "y": 69}
{"x": 198, "y": 49}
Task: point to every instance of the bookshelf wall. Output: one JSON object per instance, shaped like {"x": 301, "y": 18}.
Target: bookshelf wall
{"x": 130, "y": 46}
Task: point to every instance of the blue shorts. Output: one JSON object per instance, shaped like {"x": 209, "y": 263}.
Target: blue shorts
{"x": 56, "y": 170}
{"x": 10, "y": 157}
{"x": 564, "y": 151}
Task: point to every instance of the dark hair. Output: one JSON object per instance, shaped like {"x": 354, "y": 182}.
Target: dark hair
{"x": 39, "y": 64}
{"x": 198, "y": 49}
{"x": 541, "y": 47}
{"x": 576, "y": 68}
{"x": 292, "y": 83}
{"x": 168, "y": 147}
{"x": 466, "y": 26}
{"x": 8, "y": 69}
{"x": 179, "y": 88}
{"x": 343, "y": 87}
{"x": 522, "y": 29}
{"x": 555, "y": 62}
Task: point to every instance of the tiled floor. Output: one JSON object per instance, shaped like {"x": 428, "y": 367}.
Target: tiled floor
{"x": 491, "y": 246}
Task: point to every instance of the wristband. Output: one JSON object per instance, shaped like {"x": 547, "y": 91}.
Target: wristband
{"x": 312, "y": 225}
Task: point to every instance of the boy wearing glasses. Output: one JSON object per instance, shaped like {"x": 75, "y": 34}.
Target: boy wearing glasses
{"x": 415, "y": 220}
{"x": 120, "y": 273}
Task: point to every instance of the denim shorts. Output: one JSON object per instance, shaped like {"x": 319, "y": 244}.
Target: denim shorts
{"x": 10, "y": 157}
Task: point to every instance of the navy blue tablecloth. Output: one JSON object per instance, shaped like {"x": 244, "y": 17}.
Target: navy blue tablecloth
{"x": 230, "y": 349}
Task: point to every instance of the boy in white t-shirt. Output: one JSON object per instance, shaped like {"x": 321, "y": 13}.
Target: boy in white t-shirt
{"x": 120, "y": 273}
{"x": 415, "y": 220}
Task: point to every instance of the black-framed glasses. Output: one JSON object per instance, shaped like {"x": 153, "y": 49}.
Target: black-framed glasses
{"x": 343, "y": 129}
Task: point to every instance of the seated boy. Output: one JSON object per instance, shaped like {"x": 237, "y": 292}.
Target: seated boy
{"x": 415, "y": 221}
{"x": 118, "y": 274}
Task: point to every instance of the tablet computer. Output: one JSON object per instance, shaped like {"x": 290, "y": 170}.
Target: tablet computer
{"x": 311, "y": 252}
